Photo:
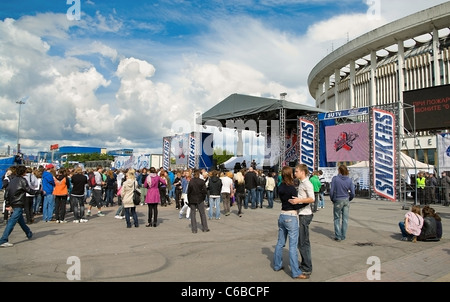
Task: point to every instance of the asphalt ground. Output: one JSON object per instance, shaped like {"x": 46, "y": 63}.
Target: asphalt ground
{"x": 237, "y": 249}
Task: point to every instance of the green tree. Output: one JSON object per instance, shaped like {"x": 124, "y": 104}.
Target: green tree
{"x": 221, "y": 156}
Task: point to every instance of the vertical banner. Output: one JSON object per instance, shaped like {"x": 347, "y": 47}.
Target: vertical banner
{"x": 166, "y": 153}
{"x": 443, "y": 147}
{"x": 192, "y": 151}
{"x": 384, "y": 153}
{"x": 307, "y": 148}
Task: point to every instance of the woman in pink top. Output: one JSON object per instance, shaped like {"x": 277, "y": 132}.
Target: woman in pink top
{"x": 412, "y": 225}
{"x": 153, "y": 198}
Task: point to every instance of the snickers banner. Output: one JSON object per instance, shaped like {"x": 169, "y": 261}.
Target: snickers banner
{"x": 166, "y": 153}
{"x": 307, "y": 147}
{"x": 384, "y": 153}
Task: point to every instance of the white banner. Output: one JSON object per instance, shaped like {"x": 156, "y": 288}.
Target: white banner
{"x": 384, "y": 153}
{"x": 443, "y": 142}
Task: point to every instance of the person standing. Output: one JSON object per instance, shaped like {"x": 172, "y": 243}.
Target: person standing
{"x": 48, "y": 185}
{"x": 127, "y": 192}
{"x": 288, "y": 225}
{"x": 314, "y": 179}
{"x": 61, "y": 192}
{"x": 226, "y": 193}
{"x": 15, "y": 196}
{"x": 184, "y": 198}
{"x": 323, "y": 187}
{"x": 306, "y": 196}
{"x": 342, "y": 191}
{"x": 420, "y": 185}
{"x": 260, "y": 187}
{"x": 214, "y": 187}
{"x": 178, "y": 189}
{"x": 251, "y": 182}
{"x": 78, "y": 195}
{"x": 97, "y": 192}
{"x": 141, "y": 179}
{"x": 445, "y": 183}
{"x": 33, "y": 183}
{"x": 270, "y": 187}
{"x": 153, "y": 198}
{"x": 196, "y": 195}
{"x": 239, "y": 191}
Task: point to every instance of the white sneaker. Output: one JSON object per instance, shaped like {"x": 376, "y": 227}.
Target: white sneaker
{"x": 57, "y": 221}
{"x": 117, "y": 217}
{"x": 84, "y": 220}
{"x": 76, "y": 221}
{"x": 63, "y": 221}
{"x": 6, "y": 244}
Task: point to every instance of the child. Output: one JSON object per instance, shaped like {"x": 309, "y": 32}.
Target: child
{"x": 412, "y": 225}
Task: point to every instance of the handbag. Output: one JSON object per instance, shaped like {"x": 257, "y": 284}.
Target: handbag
{"x": 136, "y": 195}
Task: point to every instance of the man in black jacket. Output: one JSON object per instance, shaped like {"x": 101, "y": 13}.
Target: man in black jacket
{"x": 15, "y": 200}
{"x": 196, "y": 194}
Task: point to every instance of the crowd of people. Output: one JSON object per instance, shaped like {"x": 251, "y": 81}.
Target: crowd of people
{"x": 48, "y": 191}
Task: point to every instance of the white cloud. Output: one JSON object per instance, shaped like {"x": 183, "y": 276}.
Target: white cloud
{"x": 119, "y": 94}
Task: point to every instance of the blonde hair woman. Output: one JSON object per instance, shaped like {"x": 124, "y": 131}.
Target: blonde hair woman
{"x": 128, "y": 188}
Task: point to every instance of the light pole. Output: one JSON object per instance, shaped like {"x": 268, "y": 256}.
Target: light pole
{"x": 21, "y": 102}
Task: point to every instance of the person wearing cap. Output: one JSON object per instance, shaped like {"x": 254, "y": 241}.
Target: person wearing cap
{"x": 48, "y": 185}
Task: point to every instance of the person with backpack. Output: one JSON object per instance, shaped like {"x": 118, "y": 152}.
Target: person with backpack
{"x": 96, "y": 200}
{"x": 260, "y": 187}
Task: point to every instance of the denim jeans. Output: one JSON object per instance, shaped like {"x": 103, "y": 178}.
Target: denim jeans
{"x": 214, "y": 202}
{"x": 287, "y": 226}
{"x": 321, "y": 200}
{"x": 251, "y": 195}
{"x": 340, "y": 212}
{"x": 48, "y": 207}
{"x": 304, "y": 245}
{"x": 270, "y": 199}
{"x": 134, "y": 215}
{"x": 401, "y": 224}
{"x": 37, "y": 202}
{"x": 16, "y": 216}
{"x": 109, "y": 196}
{"x": 259, "y": 196}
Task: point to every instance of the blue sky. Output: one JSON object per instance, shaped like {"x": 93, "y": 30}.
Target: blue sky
{"x": 127, "y": 71}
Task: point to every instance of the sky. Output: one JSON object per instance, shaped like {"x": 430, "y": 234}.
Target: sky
{"x": 124, "y": 74}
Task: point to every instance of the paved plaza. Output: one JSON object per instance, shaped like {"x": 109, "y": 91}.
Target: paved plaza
{"x": 237, "y": 249}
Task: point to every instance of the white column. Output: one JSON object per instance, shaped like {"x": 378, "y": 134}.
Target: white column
{"x": 352, "y": 84}
{"x": 337, "y": 80}
{"x": 437, "y": 68}
{"x": 373, "y": 85}
{"x": 401, "y": 80}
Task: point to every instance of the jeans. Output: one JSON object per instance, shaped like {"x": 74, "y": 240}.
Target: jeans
{"x": 16, "y": 216}
{"x": 401, "y": 224}
{"x": 60, "y": 207}
{"x": 315, "y": 204}
{"x": 37, "y": 203}
{"x": 214, "y": 202}
{"x": 287, "y": 226}
{"x": 78, "y": 206}
{"x": 259, "y": 196}
{"x": 321, "y": 200}
{"x": 304, "y": 245}
{"x": 251, "y": 194}
{"x": 240, "y": 197}
{"x": 340, "y": 211}
{"x": 135, "y": 218}
{"x": 109, "y": 196}
{"x": 48, "y": 207}
{"x": 270, "y": 199}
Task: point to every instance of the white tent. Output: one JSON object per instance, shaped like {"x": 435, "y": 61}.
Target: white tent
{"x": 406, "y": 162}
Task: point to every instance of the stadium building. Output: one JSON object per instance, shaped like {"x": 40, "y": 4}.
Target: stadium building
{"x": 406, "y": 62}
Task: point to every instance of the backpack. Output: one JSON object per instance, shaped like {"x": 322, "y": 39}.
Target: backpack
{"x": 91, "y": 180}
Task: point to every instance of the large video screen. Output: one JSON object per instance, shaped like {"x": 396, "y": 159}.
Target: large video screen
{"x": 431, "y": 108}
{"x": 347, "y": 142}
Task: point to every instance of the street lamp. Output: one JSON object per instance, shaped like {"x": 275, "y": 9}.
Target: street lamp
{"x": 21, "y": 102}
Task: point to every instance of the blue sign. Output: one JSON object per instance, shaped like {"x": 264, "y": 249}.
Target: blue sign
{"x": 346, "y": 113}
